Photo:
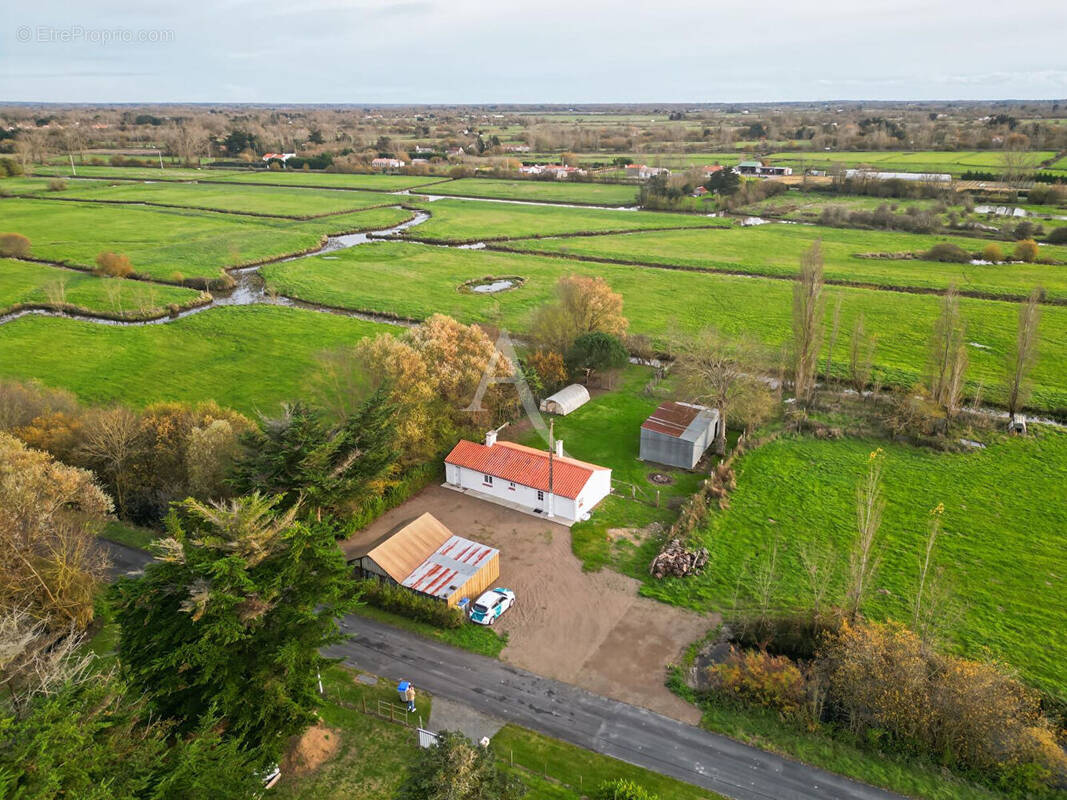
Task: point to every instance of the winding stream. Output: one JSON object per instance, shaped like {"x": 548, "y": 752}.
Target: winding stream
{"x": 251, "y": 289}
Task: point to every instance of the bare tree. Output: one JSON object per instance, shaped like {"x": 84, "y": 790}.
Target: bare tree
{"x": 932, "y": 595}
{"x": 864, "y": 560}
{"x": 948, "y": 355}
{"x": 721, "y": 372}
{"x": 819, "y": 570}
{"x": 860, "y": 357}
{"x": 1022, "y": 358}
{"x": 808, "y": 307}
{"x": 114, "y": 441}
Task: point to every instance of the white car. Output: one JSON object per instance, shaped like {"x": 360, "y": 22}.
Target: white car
{"x": 488, "y": 608}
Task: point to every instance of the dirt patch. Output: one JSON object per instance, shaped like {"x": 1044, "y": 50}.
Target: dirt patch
{"x": 317, "y": 745}
{"x": 635, "y": 535}
{"x": 586, "y": 628}
{"x": 660, "y": 478}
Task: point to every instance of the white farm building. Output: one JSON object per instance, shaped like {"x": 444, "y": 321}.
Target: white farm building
{"x": 566, "y": 400}
{"x": 534, "y": 481}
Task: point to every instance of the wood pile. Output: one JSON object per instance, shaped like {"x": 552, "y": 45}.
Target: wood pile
{"x": 678, "y": 561}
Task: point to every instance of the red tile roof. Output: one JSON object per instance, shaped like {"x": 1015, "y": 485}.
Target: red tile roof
{"x": 524, "y": 465}
{"x": 671, "y": 418}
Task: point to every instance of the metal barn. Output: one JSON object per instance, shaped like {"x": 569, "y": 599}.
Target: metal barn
{"x": 677, "y": 434}
{"x": 427, "y": 558}
{"x": 566, "y": 400}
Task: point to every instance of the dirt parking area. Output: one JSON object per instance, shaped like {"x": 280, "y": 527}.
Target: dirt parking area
{"x": 586, "y": 628}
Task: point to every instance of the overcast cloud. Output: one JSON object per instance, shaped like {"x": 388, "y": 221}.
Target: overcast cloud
{"x": 483, "y": 51}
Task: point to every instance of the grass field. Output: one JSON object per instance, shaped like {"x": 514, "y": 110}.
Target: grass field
{"x": 950, "y": 161}
{"x": 329, "y": 180}
{"x": 1005, "y": 533}
{"x": 134, "y": 173}
{"x": 24, "y": 282}
{"x": 775, "y": 249}
{"x": 249, "y": 358}
{"x": 414, "y": 280}
{"x": 606, "y": 431}
{"x": 605, "y": 194}
{"x": 296, "y": 203}
{"x": 161, "y": 242}
{"x": 473, "y": 220}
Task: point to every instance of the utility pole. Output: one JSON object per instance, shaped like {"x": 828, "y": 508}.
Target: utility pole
{"x": 551, "y": 458}
{"x": 73, "y": 171}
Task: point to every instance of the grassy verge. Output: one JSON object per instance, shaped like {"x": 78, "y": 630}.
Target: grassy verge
{"x": 475, "y": 638}
{"x": 128, "y": 534}
{"x": 581, "y": 769}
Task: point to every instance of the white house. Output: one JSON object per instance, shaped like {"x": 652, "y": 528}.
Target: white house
{"x": 644, "y": 172}
{"x": 386, "y": 163}
{"x": 548, "y": 483}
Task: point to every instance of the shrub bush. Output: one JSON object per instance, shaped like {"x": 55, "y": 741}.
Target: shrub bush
{"x": 1057, "y": 235}
{"x": 756, "y": 676}
{"x": 992, "y": 252}
{"x": 1026, "y": 250}
{"x": 946, "y": 251}
{"x": 398, "y": 600}
{"x": 113, "y": 265}
{"x": 57, "y": 185}
{"x": 14, "y": 245}
{"x": 621, "y": 789}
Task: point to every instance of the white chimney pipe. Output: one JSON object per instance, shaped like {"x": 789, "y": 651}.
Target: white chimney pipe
{"x": 490, "y": 438}
{"x": 559, "y": 448}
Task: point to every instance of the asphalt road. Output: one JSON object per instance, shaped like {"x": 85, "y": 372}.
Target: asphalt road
{"x": 596, "y": 723}
{"x": 124, "y": 560}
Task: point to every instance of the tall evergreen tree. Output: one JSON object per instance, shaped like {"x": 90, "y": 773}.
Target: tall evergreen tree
{"x": 229, "y": 620}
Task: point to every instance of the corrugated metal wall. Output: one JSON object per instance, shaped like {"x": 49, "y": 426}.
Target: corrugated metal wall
{"x": 478, "y": 582}
{"x": 662, "y": 449}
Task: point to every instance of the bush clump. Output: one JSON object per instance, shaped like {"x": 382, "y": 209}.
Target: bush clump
{"x": 948, "y": 252}
{"x": 14, "y": 245}
{"x": 1026, "y": 250}
{"x": 113, "y": 265}
{"x": 1057, "y": 235}
{"x": 993, "y": 253}
{"x": 57, "y": 185}
{"x": 756, "y": 676}
{"x": 622, "y": 789}
{"x": 398, "y": 600}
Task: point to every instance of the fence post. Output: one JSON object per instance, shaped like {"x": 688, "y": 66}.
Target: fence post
{"x": 364, "y": 704}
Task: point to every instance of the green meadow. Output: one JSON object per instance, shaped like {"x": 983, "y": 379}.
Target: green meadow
{"x": 133, "y": 173}
{"x": 296, "y": 203}
{"x": 1001, "y": 549}
{"x": 414, "y": 280}
{"x": 328, "y": 180}
{"x": 470, "y": 220}
{"x": 163, "y": 242}
{"x": 27, "y": 283}
{"x": 604, "y": 194}
{"x": 247, "y": 357}
{"x": 775, "y": 249}
{"x": 950, "y": 161}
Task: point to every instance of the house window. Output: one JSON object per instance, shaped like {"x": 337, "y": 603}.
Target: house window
{"x": 540, "y": 495}
{"x": 487, "y": 480}
{"x": 511, "y": 486}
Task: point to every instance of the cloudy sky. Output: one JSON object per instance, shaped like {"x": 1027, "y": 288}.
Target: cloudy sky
{"x": 562, "y": 51}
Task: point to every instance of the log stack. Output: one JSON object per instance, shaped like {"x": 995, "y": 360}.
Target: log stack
{"x": 677, "y": 561}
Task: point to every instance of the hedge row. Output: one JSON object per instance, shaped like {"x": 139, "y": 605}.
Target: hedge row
{"x": 398, "y": 600}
